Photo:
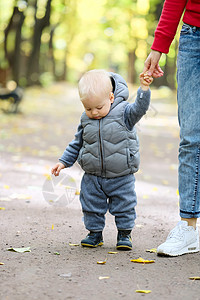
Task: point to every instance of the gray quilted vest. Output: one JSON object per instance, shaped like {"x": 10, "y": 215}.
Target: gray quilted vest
{"x": 109, "y": 149}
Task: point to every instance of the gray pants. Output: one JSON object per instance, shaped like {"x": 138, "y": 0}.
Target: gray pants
{"x": 100, "y": 194}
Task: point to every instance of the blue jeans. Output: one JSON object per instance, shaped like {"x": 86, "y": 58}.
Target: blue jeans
{"x": 100, "y": 194}
{"x": 188, "y": 77}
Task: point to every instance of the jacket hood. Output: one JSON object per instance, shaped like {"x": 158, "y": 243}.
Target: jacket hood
{"x": 120, "y": 88}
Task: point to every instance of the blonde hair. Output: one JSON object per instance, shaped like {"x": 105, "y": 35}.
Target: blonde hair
{"x": 94, "y": 83}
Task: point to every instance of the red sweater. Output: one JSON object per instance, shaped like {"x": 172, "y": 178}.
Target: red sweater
{"x": 170, "y": 18}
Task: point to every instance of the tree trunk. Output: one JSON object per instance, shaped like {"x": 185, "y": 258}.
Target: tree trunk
{"x": 14, "y": 55}
{"x": 33, "y": 70}
{"x": 51, "y": 52}
{"x": 131, "y": 66}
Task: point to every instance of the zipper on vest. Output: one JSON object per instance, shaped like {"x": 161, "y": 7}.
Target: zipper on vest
{"x": 101, "y": 152}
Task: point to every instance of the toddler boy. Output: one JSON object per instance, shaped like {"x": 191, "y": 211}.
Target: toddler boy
{"x": 106, "y": 147}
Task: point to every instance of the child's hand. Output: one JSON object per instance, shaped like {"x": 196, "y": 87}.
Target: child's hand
{"x": 145, "y": 80}
{"x": 57, "y": 168}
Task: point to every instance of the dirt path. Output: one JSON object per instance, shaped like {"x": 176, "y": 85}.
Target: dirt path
{"x": 55, "y": 268}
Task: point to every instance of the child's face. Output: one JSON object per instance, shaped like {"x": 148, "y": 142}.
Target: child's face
{"x": 97, "y": 107}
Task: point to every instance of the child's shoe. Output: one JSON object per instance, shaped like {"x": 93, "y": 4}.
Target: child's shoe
{"x": 124, "y": 241}
{"x": 93, "y": 239}
{"x": 181, "y": 240}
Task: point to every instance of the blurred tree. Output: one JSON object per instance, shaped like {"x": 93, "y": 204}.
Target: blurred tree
{"x": 65, "y": 16}
{"x": 127, "y": 18}
{"x": 12, "y": 43}
{"x": 45, "y": 40}
{"x": 42, "y": 17}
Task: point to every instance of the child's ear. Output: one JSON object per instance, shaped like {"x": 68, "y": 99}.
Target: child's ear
{"x": 111, "y": 97}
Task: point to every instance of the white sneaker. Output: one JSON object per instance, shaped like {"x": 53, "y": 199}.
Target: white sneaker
{"x": 181, "y": 240}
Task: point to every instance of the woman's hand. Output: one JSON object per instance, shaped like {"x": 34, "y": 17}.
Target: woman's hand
{"x": 152, "y": 64}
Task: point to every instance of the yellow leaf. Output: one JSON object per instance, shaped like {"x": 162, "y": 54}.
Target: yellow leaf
{"x": 177, "y": 192}
{"x": 48, "y": 177}
{"x": 153, "y": 250}
{"x": 6, "y": 186}
{"x": 68, "y": 187}
{"x": 165, "y": 182}
{"x": 77, "y": 192}
{"x": 52, "y": 227}
{"x": 195, "y": 278}
{"x": 154, "y": 189}
{"x": 70, "y": 244}
{"x": 1, "y": 264}
{"x": 142, "y": 261}
{"x": 112, "y": 252}
{"x": 103, "y": 277}
{"x": 173, "y": 167}
{"x": 143, "y": 291}
{"x": 2, "y": 208}
{"x": 103, "y": 262}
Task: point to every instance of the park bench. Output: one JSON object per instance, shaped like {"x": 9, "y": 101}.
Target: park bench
{"x": 13, "y": 98}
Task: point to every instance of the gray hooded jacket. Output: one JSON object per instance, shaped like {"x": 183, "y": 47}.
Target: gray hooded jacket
{"x": 109, "y": 147}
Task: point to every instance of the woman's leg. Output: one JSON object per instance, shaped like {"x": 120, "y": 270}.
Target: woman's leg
{"x": 183, "y": 238}
{"x": 188, "y": 77}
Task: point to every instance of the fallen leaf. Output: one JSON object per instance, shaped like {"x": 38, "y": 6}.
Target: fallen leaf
{"x": 68, "y": 187}
{"x": 153, "y": 250}
{"x": 52, "y": 227}
{"x": 103, "y": 277}
{"x": 101, "y": 262}
{"x": 77, "y": 192}
{"x": 195, "y": 278}
{"x": 56, "y": 253}
{"x": 143, "y": 291}
{"x": 1, "y": 264}
{"x": 20, "y": 250}
{"x": 6, "y": 186}
{"x": 112, "y": 252}
{"x": 142, "y": 261}
{"x": 48, "y": 177}
{"x": 70, "y": 244}
{"x": 165, "y": 182}
{"x": 173, "y": 167}
{"x": 2, "y": 208}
